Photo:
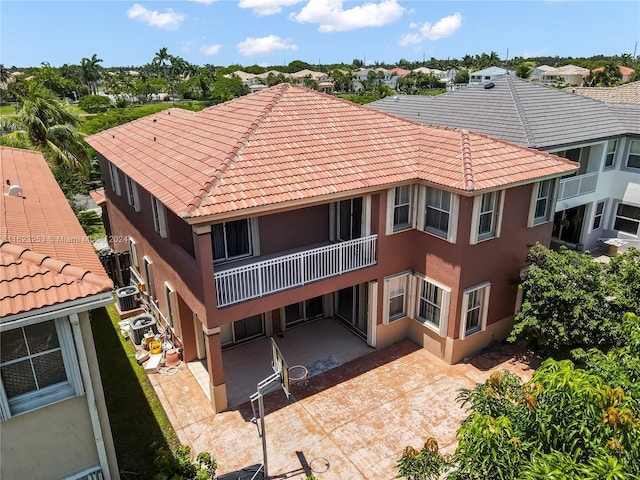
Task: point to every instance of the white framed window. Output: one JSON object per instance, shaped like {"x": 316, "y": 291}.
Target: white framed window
{"x": 169, "y": 295}
{"x": 598, "y": 214}
{"x": 396, "y": 297}
{"x": 115, "y": 179}
{"x": 610, "y": 155}
{"x": 542, "y": 198}
{"x": 400, "y": 215}
{"x": 439, "y": 214}
{"x": 627, "y": 219}
{"x": 148, "y": 277}
{"x": 234, "y": 240}
{"x": 475, "y": 306}
{"x": 159, "y": 217}
{"x": 132, "y": 193}
{"x": 487, "y": 216}
{"x": 633, "y": 160}
{"x": 133, "y": 253}
{"x": 38, "y": 366}
{"x": 432, "y": 304}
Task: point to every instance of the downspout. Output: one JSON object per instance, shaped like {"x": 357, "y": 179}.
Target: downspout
{"x": 91, "y": 398}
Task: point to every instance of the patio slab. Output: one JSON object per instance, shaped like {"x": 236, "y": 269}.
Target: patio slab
{"x": 351, "y": 422}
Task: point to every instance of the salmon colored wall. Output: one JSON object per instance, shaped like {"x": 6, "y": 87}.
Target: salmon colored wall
{"x": 293, "y": 229}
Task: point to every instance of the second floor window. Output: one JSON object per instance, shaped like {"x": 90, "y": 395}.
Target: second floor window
{"x": 132, "y": 193}
{"x": 634, "y": 155}
{"x": 401, "y": 208}
{"x": 113, "y": 177}
{"x": 486, "y": 216}
{"x": 159, "y": 217}
{"x": 542, "y": 202}
{"x": 231, "y": 240}
{"x": 437, "y": 212}
{"x": 610, "y": 157}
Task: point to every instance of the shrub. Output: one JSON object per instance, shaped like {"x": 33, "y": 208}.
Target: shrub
{"x": 94, "y": 103}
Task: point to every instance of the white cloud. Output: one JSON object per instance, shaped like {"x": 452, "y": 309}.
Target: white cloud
{"x": 264, "y": 45}
{"x": 266, "y": 7}
{"x": 535, "y": 53}
{"x": 209, "y": 49}
{"x": 445, "y": 27}
{"x": 331, "y": 16}
{"x": 206, "y": 2}
{"x": 168, "y": 20}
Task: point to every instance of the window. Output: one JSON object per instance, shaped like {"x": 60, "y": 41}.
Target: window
{"x": 396, "y": 291}
{"x": 610, "y": 156}
{"x": 627, "y": 219}
{"x": 231, "y": 240}
{"x": 169, "y": 294}
{"x": 572, "y": 154}
{"x": 432, "y": 304}
{"x": 439, "y": 210}
{"x": 242, "y": 330}
{"x": 148, "y": 274}
{"x": 486, "y": 216}
{"x": 633, "y": 161}
{"x": 475, "y": 302}
{"x": 132, "y": 193}
{"x": 349, "y": 219}
{"x": 38, "y": 366}
{"x": 400, "y": 207}
{"x": 542, "y": 202}
{"x": 598, "y": 214}
{"x": 159, "y": 217}
{"x": 115, "y": 180}
{"x": 133, "y": 253}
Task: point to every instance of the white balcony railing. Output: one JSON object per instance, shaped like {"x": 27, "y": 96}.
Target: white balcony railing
{"x": 579, "y": 185}
{"x": 280, "y": 273}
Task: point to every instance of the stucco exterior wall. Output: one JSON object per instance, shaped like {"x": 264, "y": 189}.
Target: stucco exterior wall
{"x": 48, "y": 443}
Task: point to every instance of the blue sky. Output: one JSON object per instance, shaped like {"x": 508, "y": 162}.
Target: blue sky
{"x": 276, "y": 32}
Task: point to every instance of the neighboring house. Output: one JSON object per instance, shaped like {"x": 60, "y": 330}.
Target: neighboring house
{"x": 602, "y": 200}
{"x": 53, "y": 418}
{"x": 276, "y": 208}
{"x": 567, "y": 74}
{"x": 628, "y": 93}
{"x": 626, "y": 72}
{"x": 488, "y": 75}
{"x": 537, "y": 72}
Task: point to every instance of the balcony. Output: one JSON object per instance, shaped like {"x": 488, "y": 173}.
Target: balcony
{"x": 272, "y": 275}
{"x": 578, "y": 185}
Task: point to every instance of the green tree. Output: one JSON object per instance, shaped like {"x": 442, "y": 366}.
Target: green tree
{"x": 43, "y": 123}
{"x": 91, "y": 72}
{"x": 179, "y": 465}
{"x": 524, "y": 70}
{"x": 462, "y": 77}
{"x": 4, "y": 74}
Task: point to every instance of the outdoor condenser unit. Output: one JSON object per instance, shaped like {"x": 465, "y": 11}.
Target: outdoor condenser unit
{"x": 141, "y": 325}
{"x": 127, "y": 298}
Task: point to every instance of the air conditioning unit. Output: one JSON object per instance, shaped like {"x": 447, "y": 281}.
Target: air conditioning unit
{"x": 141, "y": 325}
{"x": 127, "y": 298}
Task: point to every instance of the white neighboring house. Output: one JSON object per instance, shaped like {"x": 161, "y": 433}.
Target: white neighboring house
{"x": 539, "y": 71}
{"x": 488, "y": 74}
{"x": 53, "y": 416}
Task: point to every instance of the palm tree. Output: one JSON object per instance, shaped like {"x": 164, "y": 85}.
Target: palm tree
{"x": 91, "y": 72}
{"x": 43, "y": 123}
{"x": 162, "y": 59}
{"x": 4, "y": 74}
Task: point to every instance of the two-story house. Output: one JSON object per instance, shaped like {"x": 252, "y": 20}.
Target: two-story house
{"x": 598, "y": 202}
{"x": 53, "y": 416}
{"x": 255, "y": 215}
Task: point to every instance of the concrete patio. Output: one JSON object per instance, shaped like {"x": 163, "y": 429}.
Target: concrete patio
{"x": 350, "y": 422}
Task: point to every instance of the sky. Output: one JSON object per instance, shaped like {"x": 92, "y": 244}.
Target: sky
{"x": 276, "y": 32}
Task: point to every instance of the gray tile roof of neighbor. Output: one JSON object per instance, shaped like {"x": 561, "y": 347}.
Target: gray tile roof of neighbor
{"x": 518, "y": 111}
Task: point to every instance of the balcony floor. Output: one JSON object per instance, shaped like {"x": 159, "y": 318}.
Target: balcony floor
{"x": 349, "y": 422}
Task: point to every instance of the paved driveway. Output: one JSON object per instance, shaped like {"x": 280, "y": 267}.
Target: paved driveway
{"x": 351, "y": 422}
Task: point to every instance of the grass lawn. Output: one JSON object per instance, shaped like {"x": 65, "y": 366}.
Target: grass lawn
{"x": 7, "y": 110}
{"x": 139, "y": 424}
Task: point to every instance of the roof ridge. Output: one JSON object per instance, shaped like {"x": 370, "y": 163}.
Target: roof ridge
{"x": 467, "y": 167}
{"x": 56, "y": 266}
{"x": 526, "y": 127}
{"x": 226, "y": 163}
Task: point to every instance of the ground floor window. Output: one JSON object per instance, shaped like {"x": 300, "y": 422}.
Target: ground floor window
{"x": 475, "y": 302}
{"x": 432, "y": 304}
{"x": 627, "y": 219}
{"x": 242, "y": 330}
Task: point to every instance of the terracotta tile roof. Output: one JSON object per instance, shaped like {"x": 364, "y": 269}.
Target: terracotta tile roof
{"x": 98, "y": 195}
{"x": 288, "y": 143}
{"x": 45, "y": 258}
